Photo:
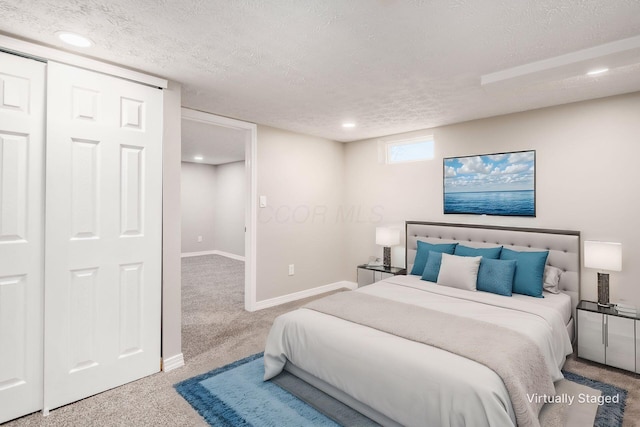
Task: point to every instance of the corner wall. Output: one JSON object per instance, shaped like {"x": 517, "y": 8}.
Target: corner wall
{"x": 231, "y": 188}
{"x": 303, "y": 179}
{"x": 587, "y": 180}
{"x": 198, "y": 200}
{"x": 213, "y": 207}
{"x": 171, "y": 264}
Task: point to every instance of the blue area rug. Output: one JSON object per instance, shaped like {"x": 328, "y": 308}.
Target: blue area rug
{"x": 236, "y": 395}
{"x": 609, "y": 414}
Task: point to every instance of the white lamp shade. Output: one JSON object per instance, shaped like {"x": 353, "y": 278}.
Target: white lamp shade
{"x": 603, "y": 255}
{"x": 387, "y": 236}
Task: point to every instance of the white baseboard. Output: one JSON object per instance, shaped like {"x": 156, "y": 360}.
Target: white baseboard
{"x": 173, "y": 362}
{"x": 190, "y": 254}
{"x": 213, "y": 252}
{"x": 304, "y": 294}
{"x": 229, "y": 255}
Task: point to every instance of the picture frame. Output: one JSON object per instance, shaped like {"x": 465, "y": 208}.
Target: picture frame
{"x": 490, "y": 184}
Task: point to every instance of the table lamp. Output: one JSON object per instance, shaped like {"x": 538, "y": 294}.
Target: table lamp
{"x": 603, "y": 256}
{"x": 387, "y": 237}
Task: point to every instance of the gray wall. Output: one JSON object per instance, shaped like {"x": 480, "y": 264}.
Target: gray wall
{"x": 587, "y": 180}
{"x": 302, "y": 177}
{"x": 213, "y": 206}
{"x": 198, "y": 199}
{"x": 230, "y": 215}
{"x": 171, "y": 269}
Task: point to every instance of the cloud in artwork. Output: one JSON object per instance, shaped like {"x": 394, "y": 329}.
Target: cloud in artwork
{"x": 495, "y": 172}
{"x": 497, "y": 157}
{"x": 522, "y": 157}
{"x": 517, "y": 168}
{"x": 474, "y": 164}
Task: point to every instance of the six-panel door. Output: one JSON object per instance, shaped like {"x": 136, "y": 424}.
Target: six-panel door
{"x": 103, "y": 233}
{"x": 22, "y": 99}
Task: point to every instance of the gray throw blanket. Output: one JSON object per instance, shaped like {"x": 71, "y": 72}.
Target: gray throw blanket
{"x": 513, "y": 356}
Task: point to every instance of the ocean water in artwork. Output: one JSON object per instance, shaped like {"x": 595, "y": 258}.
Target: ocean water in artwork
{"x": 514, "y": 203}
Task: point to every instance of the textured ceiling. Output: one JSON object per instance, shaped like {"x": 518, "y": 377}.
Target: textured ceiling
{"x": 307, "y": 65}
{"x": 216, "y": 144}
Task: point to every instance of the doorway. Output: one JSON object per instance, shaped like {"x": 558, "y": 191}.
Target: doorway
{"x": 242, "y": 134}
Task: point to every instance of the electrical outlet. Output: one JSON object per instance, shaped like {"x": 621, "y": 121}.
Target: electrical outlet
{"x": 199, "y": 239}
{"x": 291, "y": 270}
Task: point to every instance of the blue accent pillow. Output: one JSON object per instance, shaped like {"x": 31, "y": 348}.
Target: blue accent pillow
{"x": 493, "y": 253}
{"x": 432, "y": 268}
{"x": 529, "y": 271}
{"x": 423, "y": 253}
{"x": 496, "y": 276}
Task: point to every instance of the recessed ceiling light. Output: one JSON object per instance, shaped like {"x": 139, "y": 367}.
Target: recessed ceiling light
{"x": 74, "y": 39}
{"x": 198, "y": 158}
{"x": 348, "y": 125}
{"x": 598, "y": 71}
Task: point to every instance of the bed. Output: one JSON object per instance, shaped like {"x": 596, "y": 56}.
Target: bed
{"x": 374, "y": 362}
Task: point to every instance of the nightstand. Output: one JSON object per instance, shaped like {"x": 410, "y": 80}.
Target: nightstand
{"x": 368, "y": 274}
{"x": 608, "y": 337}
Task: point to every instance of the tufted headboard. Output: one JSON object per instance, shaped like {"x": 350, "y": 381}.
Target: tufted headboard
{"x": 563, "y": 246}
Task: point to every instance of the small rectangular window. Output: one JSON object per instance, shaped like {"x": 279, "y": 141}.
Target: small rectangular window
{"x": 409, "y": 150}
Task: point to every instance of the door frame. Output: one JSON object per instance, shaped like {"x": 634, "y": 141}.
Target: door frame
{"x": 251, "y": 207}
{"x": 45, "y": 53}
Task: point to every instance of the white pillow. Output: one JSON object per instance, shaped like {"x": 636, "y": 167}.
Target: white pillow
{"x": 459, "y": 271}
{"x": 551, "y": 279}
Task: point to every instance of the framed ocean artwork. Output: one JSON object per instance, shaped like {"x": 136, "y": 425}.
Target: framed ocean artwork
{"x": 491, "y": 184}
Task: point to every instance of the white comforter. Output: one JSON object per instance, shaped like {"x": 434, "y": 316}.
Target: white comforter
{"x": 409, "y": 382}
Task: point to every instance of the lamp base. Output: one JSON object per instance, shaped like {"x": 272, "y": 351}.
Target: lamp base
{"x": 603, "y": 290}
{"x": 386, "y": 256}
{"x": 607, "y": 305}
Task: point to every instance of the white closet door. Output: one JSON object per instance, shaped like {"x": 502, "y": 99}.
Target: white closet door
{"x": 103, "y": 233}
{"x": 21, "y": 240}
